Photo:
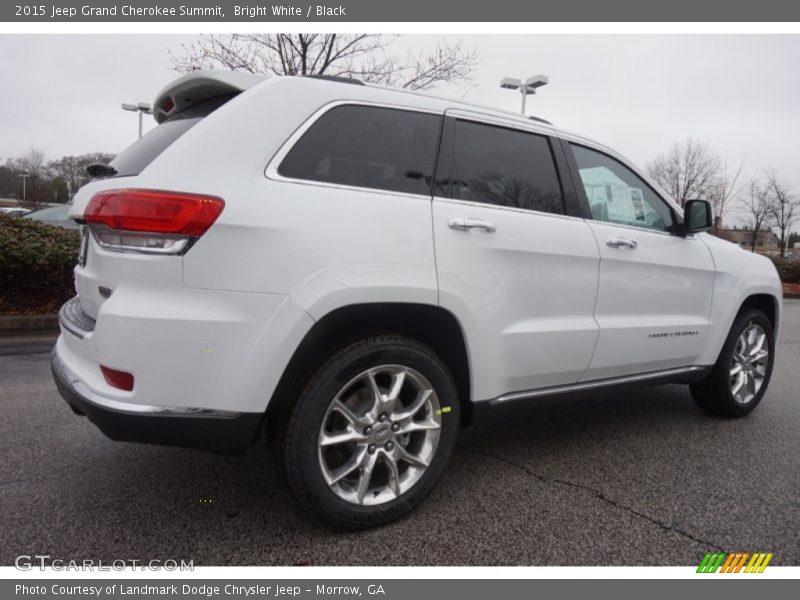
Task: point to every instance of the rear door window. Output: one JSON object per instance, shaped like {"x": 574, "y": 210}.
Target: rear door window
{"x": 369, "y": 147}
{"x": 141, "y": 153}
{"x": 501, "y": 166}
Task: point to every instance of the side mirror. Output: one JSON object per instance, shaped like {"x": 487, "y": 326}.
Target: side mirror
{"x": 697, "y": 216}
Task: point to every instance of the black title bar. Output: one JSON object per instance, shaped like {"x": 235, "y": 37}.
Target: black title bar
{"x": 81, "y": 11}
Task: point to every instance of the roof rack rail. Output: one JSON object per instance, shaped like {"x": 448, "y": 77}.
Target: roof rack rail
{"x": 336, "y": 78}
{"x": 540, "y": 120}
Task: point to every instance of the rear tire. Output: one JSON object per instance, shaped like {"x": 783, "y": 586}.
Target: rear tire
{"x": 739, "y": 379}
{"x": 371, "y": 432}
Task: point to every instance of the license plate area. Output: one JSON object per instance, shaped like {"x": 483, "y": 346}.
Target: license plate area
{"x": 84, "y": 248}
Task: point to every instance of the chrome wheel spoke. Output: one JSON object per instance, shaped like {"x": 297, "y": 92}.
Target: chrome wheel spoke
{"x": 737, "y": 368}
{"x": 377, "y": 395}
{"x": 412, "y": 426}
{"x": 750, "y": 338}
{"x": 365, "y": 476}
{"x": 738, "y": 385}
{"x": 414, "y": 461}
{"x": 411, "y": 410}
{"x": 350, "y": 435}
{"x": 757, "y": 345}
{"x": 347, "y": 413}
{"x": 398, "y": 380}
{"x": 394, "y": 474}
{"x": 351, "y": 465}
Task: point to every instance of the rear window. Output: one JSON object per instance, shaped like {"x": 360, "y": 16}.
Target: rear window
{"x": 141, "y": 153}
{"x": 368, "y": 147}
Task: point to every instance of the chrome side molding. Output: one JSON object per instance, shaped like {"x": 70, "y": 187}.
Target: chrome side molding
{"x": 598, "y": 384}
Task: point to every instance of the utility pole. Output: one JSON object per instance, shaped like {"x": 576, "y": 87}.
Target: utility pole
{"x": 24, "y": 177}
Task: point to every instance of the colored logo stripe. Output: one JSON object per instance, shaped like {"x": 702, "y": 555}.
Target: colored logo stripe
{"x": 734, "y": 562}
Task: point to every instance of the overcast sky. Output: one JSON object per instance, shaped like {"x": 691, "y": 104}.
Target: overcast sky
{"x": 637, "y": 94}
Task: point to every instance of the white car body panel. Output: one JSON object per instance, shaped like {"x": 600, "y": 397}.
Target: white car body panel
{"x": 653, "y": 301}
{"x": 215, "y": 329}
{"x": 739, "y": 275}
{"x": 521, "y": 291}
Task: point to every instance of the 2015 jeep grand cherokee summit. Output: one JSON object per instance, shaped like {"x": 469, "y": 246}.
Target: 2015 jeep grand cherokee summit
{"x": 359, "y": 269}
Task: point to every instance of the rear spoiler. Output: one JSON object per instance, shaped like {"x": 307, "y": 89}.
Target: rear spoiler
{"x": 197, "y": 86}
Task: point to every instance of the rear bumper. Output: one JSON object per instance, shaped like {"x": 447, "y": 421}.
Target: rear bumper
{"x": 218, "y": 431}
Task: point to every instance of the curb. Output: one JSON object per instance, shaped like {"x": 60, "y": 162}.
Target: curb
{"x": 28, "y": 323}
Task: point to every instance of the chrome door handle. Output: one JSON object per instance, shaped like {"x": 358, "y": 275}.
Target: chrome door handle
{"x": 463, "y": 224}
{"x": 621, "y": 242}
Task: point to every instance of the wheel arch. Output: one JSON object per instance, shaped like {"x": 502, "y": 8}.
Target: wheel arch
{"x": 432, "y": 325}
{"x": 767, "y": 303}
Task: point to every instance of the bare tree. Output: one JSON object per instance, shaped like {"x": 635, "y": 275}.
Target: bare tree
{"x": 686, "y": 171}
{"x": 363, "y": 56}
{"x": 72, "y": 169}
{"x": 757, "y": 205}
{"x": 783, "y": 208}
{"x": 33, "y": 166}
{"x": 725, "y": 190}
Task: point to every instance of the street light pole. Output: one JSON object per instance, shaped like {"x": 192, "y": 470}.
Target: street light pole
{"x": 143, "y": 108}
{"x": 24, "y": 177}
{"x": 526, "y": 87}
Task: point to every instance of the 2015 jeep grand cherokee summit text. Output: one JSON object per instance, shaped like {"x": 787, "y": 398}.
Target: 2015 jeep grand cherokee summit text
{"x": 357, "y": 270}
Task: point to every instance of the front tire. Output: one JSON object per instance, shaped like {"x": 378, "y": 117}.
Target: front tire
{"x": 739, "y": 379}
{"x": 372, "y": 431}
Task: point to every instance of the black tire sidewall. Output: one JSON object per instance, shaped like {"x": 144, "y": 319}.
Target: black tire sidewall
{"x": 301, "y": 455}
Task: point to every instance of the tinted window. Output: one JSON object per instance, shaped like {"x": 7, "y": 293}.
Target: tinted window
{"x": 370, "y": 147}
{"x": 617, "y": 195}
{"x": 495, "y": 165}
{"x": 141, "y": 153}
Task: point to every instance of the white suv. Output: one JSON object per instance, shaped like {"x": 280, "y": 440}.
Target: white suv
{"x": 359, "y": 270}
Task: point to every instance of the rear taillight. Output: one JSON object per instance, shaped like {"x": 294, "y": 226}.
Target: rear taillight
{"x": 150, "y": 221}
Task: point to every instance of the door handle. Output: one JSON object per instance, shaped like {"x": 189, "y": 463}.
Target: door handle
{"x": 621, "y": 242}
{"x": 462, "y": 224}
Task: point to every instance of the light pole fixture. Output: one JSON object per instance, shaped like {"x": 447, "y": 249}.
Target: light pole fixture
{"x": 24, "y": 177}
{"x": 526, "y": 87}
{"x": 143, "y": 108}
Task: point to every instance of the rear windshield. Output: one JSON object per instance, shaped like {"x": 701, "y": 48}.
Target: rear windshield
{"x": 141, "y": 153}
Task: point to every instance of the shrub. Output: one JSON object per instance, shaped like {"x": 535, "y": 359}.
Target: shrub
{"x": 36, "y": 266}
{"x": 788, "y": 270}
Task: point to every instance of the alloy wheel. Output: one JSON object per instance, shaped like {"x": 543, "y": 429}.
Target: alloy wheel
{"x": 379, "y": 435}
{"x": 749, "y": 363}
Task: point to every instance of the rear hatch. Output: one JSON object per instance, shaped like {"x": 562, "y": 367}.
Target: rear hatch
{"x": 136, "y": 237}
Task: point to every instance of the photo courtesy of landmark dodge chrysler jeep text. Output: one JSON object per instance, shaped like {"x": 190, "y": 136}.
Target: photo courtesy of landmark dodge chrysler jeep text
{"x": 357, "y": 270}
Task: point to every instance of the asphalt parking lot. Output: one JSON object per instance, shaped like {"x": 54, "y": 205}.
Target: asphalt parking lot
{"x": 644, "y": 478}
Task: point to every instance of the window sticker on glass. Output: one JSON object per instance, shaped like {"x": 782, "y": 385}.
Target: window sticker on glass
{"x": 616, "y": 195}
{"x": 609, "y": 194}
